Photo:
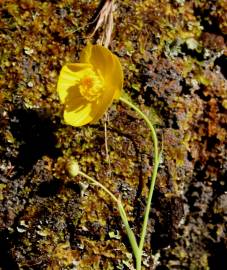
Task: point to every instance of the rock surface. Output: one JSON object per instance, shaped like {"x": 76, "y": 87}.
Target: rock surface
{"x": 174, "y": 58}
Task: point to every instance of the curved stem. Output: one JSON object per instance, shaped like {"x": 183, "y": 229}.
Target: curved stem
{"x": 96, "y": 183}
{"x": 130, "y": 234}
{"x": 137, "y": 249}
{"x": 154, "y": 174}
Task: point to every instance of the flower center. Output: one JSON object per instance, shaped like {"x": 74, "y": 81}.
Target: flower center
{"x": 91, "y": 85}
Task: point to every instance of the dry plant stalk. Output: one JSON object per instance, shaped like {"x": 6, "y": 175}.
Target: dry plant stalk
{"x": 105, "y": 20}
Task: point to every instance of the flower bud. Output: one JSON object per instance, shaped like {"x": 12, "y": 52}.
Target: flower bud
{"x": 73, "y": 168}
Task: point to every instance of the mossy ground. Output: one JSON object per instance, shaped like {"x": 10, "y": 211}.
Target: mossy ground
{"x": 174, "y": 59}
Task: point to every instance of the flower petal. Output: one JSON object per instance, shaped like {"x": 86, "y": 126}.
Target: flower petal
{"x": 110, "y": 68}
{"x": 116, "y": 79}
{"x": 69, "y": 76}
{"x": 78, "y": 113}
{"x": 106, "y": 62}
{"x": 102, "y": 60}
{"x": 86, "y": 53}
{"x": 102, "y": 105}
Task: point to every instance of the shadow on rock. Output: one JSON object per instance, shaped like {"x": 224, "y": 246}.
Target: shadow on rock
{"x": 6, "y": 260}
{"x": 34, "y": 133}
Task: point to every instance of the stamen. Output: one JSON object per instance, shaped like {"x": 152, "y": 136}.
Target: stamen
{"x": 91, "y": 86}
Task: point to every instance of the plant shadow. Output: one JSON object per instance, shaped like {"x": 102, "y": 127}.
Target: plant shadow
{"x": 33, "y": 131}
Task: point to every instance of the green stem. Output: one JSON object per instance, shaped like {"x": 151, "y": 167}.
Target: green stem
{"x": 96, "y": 183}
{"x": 137, "y": 249}
{"x": 130, "y": 234}
{"x": 154, "y": 175}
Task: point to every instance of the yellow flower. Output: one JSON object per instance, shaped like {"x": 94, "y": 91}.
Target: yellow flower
{"x": 89, "y": 87}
